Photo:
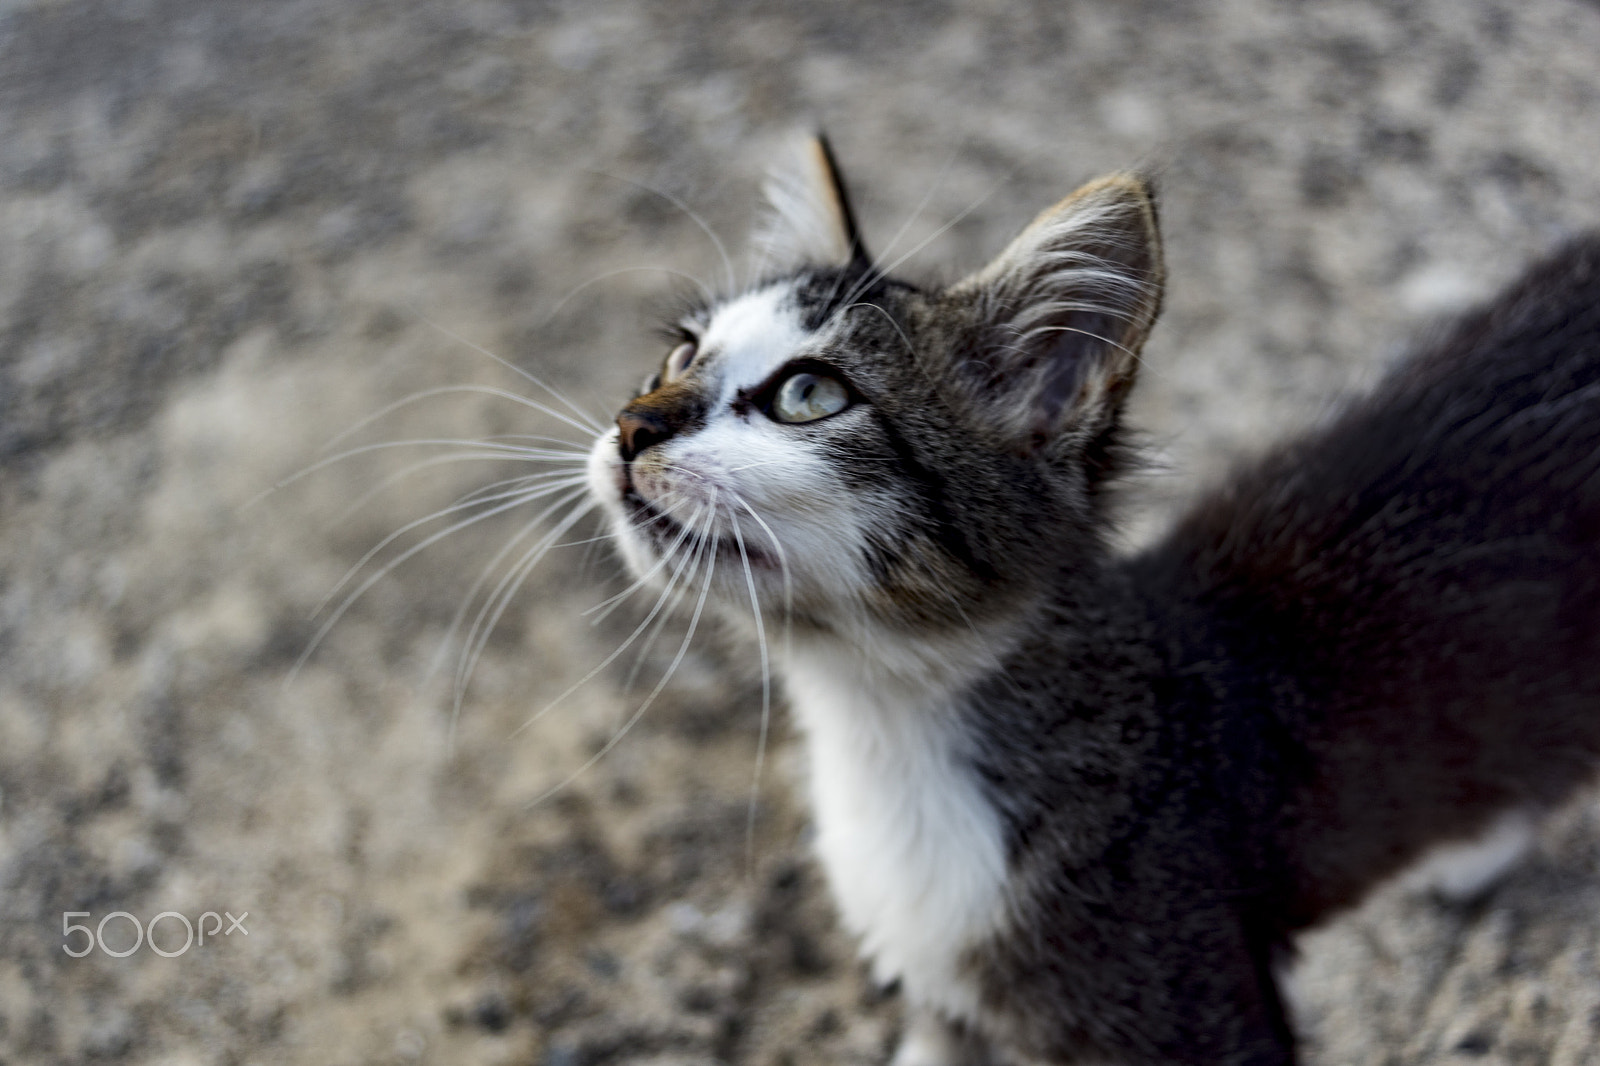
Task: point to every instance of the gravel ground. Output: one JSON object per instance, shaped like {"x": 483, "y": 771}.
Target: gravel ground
{"x": 232, "y": 230}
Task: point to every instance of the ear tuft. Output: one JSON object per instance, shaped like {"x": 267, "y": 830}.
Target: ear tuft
{"x": 808, "y": 220}
{"x": 1063, "y": 312}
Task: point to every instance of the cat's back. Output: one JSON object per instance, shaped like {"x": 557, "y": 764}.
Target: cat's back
{"x": 1403, "y": 608}
{"x": 1492, "y": 431}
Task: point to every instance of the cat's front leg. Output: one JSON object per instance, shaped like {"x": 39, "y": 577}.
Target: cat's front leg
{"x": 930, "y": 1040}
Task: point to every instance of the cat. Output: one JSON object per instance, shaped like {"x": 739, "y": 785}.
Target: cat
{"x": 1077, "y": 803}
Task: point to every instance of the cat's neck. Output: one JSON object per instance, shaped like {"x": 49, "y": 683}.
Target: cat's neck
{"x": 923, "y": 667}
{"x": 904, "y": 830}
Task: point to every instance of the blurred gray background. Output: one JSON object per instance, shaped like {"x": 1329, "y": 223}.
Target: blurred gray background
{"x": 231, "y": 230}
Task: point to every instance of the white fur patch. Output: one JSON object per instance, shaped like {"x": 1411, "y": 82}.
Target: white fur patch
{"x": 912, "y": 849}
{"x": 752, "y": 336}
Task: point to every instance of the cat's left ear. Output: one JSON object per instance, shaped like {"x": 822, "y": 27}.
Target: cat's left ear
{"x": 808, "y": 220}
{"x": 1063, "y": 312}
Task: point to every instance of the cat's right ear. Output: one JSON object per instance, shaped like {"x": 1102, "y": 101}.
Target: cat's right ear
{"x": 1059, "y": 316}
{"x": 807, "y": 220}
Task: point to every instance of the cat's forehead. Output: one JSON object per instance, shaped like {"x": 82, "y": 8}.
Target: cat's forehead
{"x": 748, "y": 337}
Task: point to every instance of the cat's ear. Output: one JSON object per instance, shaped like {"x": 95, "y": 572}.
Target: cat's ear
{"x": 1062, "y": 313}
{"x": 807, "y": 219}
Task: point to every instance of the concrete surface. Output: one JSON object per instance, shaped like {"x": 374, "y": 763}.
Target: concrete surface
{"x": 232, "y": 229}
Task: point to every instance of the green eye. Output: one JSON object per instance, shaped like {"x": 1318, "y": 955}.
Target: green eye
{"x": 807, "y": 397}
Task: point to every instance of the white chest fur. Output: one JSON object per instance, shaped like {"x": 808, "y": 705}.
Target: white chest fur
{"x": 912, "y": 848}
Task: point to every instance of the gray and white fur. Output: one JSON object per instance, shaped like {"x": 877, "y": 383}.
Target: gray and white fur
{"x": 1076, "y": 803}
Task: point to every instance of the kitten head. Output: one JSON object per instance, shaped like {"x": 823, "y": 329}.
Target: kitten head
{"x": 850, "y": 450}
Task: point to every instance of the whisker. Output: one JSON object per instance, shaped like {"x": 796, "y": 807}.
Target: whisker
{"x": 916, "y": 212}
{"x": 783, "y": 567}
{"x": 593, "y": 425}
{"x": 570, "y": 446}
{"x": 722, "y": 250}
{"x": 495, "y": 451}
{"x": 495, "y": 604}
{"x": 1144, "y": 364}
{"x": 873, "y": 277}
{"x": 472, "y": 592}
{"x": 439, "y": 460}
{"x": 609, "y": 604}
{"x": 471, "y": 597}
{"x": 478, "y": 638}
{"x": 766, "y": 698}
{"x": 555, "y": 310}
{"x": 655, "y": 610}
{"x": 759, "y": 462}
{"x": 841, "y": 451}
{"x": 516, "y": 496}
{"x": 333, "y": 618}
{"x": 506, "y": 451}
{"x": 599, "y": 539}
{"x": 642, "y": 656}
{"x": 492, "y": 490}
{"x": 456, "y": 390}
{"x": 910, "y": 348}
{"x": 683, "y": 649}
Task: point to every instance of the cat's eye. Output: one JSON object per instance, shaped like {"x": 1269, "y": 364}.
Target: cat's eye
{"x": 806, "y": 397}
{"x": 678, "y": 361}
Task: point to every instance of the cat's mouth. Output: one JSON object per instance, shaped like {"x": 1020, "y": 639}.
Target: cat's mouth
{"x": 667, "y": 534}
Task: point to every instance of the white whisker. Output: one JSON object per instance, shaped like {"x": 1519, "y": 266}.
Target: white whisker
{"x": 499, "y": 489}
{"x": 766, "y": 697}
{"x": 916, "y": 212}
{"x": 581, "y": 449}
{"x": 488, "y": 450}
{"x": 722, "y": 250}
{"x": 642, "y": 656}
{"x": 606, "y": 606}
{"x": 760, "y": 462}
{"x": 517, "y": 497}
{"x": 705, "y": 290}
{"x": 910, "y": 348}
{"x": 672, "y": 668}
{"x": 499, "y": 599}
{"x": 439, "y": 460}
{"x": 457, "y": 390}
{"x": 872, "y": 277}
{"x": 655, "y": 610}
{"x": 1143, "y": 363}
{"x": 680, "y": 592}
{"x": 471, "y": 596}
{"x": 591, "y": 424}
{"x": 483, "y": 628}
{"x": 356, "y": 594}
{"x": 783, "y": 568}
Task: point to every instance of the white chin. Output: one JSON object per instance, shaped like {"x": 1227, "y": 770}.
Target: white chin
{"x": 635, "y": 550}
{"x": 604, "y": 482}
{"x": 606, "y": 486}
